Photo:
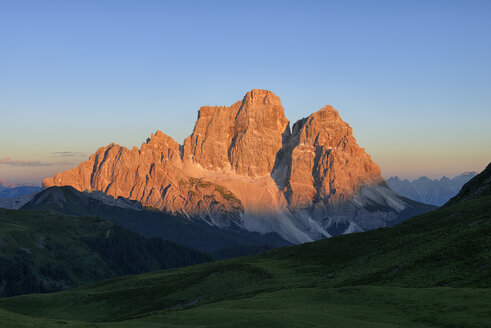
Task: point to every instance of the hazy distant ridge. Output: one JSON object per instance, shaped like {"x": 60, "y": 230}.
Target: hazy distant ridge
{"x": 430, "y": 191}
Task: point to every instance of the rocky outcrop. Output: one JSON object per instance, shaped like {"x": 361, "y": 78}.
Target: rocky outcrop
{"x": 243, "y": 167}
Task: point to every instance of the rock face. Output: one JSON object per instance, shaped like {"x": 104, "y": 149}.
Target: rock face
{"x": 321, "y": 163}
{"x": 243, "y": 167}
{"x": 243, "y": 138}
{"x": 151, "y": 175}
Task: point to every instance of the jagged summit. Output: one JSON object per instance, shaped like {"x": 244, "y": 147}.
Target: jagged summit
{"x": 243, "y": 138}
{"x": 243, "y": 167}
{"x": 329, "y": 113}
{"x": 258, "y": 96}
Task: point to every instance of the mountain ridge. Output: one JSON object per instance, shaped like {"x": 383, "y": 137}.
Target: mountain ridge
{"x": 430, "y": 191}
{"x": 14, "y": 196}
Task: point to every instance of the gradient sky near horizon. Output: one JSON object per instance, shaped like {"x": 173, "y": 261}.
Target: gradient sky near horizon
{"x": 413, "y": 78}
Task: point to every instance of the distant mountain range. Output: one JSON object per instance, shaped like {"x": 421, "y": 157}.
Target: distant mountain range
{"x": 243, "y": 167}
{"x": 16, "y": 190}
{"x": 13, "y": 196}
{"x": 428, "y": 191}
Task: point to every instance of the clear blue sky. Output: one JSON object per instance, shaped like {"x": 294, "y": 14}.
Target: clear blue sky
{"x": 413, "y": 78}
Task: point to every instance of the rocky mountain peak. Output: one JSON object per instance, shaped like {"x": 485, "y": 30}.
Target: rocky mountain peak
{"x": 265, "y": 97}
{"x": 322, "y": 163}
{"x": 243, "y": 138}
{"x": 208, "y": 111}
{"x": 241, "y": 166}
{"x": 327, "y": 113}
{"x": 161, "y": 145}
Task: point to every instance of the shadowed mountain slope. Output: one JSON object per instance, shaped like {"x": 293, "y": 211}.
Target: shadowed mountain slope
{"x": 477, "y": 187}
{"x": 45, "y": 251}
{"x": 196, "y": 234}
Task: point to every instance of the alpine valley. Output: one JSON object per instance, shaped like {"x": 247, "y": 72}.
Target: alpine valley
{"x": 244, "y": 168}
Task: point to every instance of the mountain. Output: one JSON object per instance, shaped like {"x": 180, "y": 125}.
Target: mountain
{"x": 428, "y": 191}
{"x": 15, "y": 196}
{"x": 244, "y": 167}
{"x": 130, "y": 214}
{"x": 16, "y": 202}
{"x": 17, "y": 191}
{"x": 477, "y": 187}
{"x": 433, "y": 270}
{"x": 14, "y": 190}
{"x": 45, "y": 251}
{"x": 3, "y": 185}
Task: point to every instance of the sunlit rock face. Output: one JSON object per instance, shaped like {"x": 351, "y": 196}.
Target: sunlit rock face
{"x": 321, "y": 163}
{"x": 244, "y": 137}
{"x": 152, "y": 175}
{"x": 242, "y": 167}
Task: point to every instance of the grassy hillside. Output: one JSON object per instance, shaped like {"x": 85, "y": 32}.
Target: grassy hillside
{"x": 433, "y": 270}
{"x": 44, "y": 251}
